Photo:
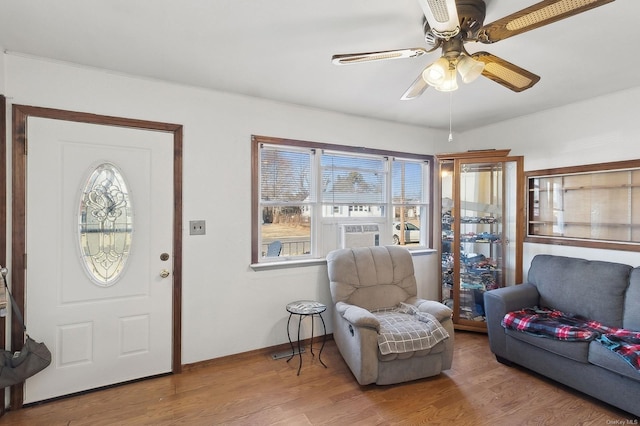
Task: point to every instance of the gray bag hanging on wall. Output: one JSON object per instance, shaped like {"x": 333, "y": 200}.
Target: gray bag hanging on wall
{"x": 34, "y": 357}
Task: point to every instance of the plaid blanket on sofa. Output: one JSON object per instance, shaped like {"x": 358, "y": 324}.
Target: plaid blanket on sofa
{"x": 559, "y": 325}
{"x": 405, "y": 329}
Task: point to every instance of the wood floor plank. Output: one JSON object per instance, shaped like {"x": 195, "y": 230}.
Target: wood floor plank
{"x": 254, "y": 389}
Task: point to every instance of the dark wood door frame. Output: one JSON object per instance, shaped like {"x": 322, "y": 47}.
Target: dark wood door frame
{"x": 18, "y": 239}
{"x": 3, "y": 215}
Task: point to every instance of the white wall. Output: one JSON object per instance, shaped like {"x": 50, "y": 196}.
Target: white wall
{"x": 599, "y": 130}
{"x": 2, "y": 73}
{"x": 227, "y": 307}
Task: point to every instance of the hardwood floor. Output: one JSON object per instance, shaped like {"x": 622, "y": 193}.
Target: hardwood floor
{"x": 254, "y": 389}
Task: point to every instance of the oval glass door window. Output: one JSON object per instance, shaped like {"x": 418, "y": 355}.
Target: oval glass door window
{"x": 105, "y": 224}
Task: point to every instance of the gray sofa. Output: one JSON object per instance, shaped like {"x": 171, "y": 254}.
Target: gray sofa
{"x": 603, "y": 291}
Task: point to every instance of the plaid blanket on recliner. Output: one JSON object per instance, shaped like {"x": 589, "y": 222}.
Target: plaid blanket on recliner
{"x": 552, "y": 323}
{"x": 404, "y": 328}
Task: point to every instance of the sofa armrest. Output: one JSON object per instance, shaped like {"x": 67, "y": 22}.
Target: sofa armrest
{"x": 499, "y": 302}
{"x": 514, "y": 297}
{"x": 357, "y": 316}
{"x": 440, "y": 311}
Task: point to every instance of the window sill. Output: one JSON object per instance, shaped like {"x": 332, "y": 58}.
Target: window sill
{"x": 266, "y": 266}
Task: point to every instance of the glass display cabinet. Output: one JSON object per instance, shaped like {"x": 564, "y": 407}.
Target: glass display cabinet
{"x": 482, "y": 195}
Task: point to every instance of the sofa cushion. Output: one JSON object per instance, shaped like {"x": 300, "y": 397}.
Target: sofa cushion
{"x": 577, "y": 351}
{"x": 590, "y": 288}
{"x": 631, "y": 319}
{"x": 603, "y": 357}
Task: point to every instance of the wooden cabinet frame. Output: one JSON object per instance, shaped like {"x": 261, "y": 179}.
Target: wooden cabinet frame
{"x": 472, "y": 221}
{"x": 596, "y": 205}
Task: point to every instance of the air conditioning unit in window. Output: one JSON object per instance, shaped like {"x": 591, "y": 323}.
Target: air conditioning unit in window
{"x": 359, "y": 235}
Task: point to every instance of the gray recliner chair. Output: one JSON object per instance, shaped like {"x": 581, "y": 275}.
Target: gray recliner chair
{"x": 367, "y": 285}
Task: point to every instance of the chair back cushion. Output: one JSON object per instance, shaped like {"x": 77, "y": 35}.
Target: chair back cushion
{"x": 371, "y": 277}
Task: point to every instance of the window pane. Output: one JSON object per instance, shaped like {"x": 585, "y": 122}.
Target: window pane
{"x": 287, "y": 233}
{"x": 285, "y": 176}
{"x": 408, "y": 182}
{"x": 407, "y": 218}
{"x": 300, "y": 183}
{"x": 352, "y": 180}
{"x": 408, "y": 190}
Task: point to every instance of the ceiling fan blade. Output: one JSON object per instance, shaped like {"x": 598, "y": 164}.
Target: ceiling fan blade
{"x": 505, "y": 73}
{"x": 354, "y": 58}
{"x": 416, "y": 89}
{"x": 442, "y": 16}
{"x": 535, "y": 16}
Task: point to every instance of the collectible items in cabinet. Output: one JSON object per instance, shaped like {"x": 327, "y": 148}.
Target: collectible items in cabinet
{"x": 482, "y": 229}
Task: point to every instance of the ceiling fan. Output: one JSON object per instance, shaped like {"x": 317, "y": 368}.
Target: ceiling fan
{"x": 449, "y": 24}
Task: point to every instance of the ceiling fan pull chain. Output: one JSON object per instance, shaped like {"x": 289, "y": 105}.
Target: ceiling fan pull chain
{"x": 450, "y": 114}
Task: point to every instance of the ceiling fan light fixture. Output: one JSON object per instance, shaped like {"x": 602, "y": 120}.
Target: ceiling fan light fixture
{"x": 469, "y": 68}
{"x": 450, "y": 82}
{"x": 436, "y": 73}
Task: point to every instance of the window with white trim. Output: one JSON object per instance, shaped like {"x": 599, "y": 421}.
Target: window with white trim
{"x": 310, "y": 198}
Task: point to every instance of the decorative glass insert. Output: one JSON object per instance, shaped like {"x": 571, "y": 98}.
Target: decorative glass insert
{"x": 105, "y": 224}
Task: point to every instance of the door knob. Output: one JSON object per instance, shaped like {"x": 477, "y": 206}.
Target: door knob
{"x": 164, "y": 273}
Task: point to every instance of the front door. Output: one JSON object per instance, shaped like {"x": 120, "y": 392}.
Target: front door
{"x": 99, "y": 234}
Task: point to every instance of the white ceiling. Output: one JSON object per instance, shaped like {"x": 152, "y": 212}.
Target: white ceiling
{"x": 281, "y": 50}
